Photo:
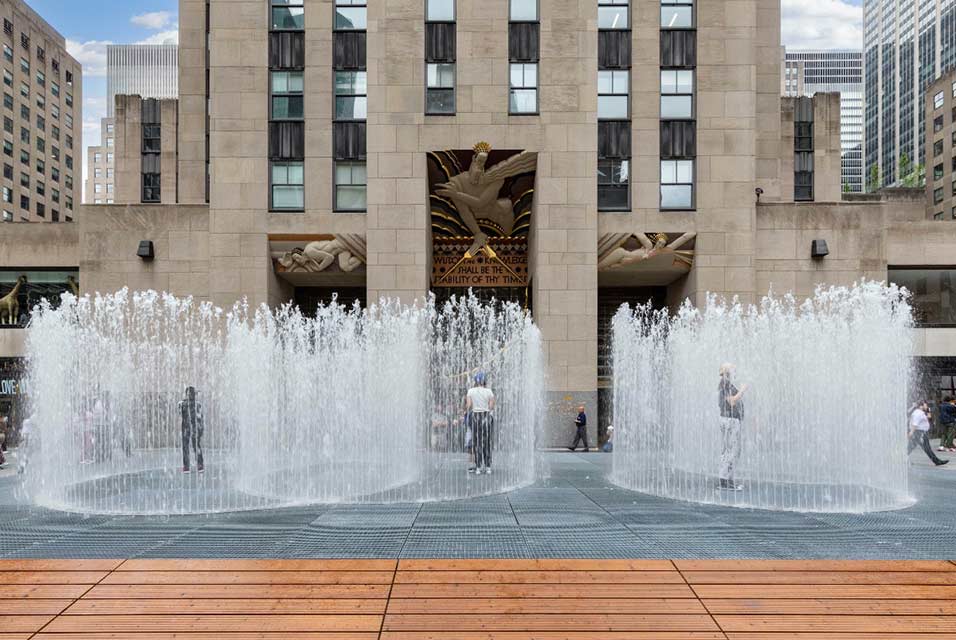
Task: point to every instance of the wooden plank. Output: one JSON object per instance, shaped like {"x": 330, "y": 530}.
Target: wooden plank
{"x": 545, "y": 564}
{"x": 250, "y": 577}
{"x": 212, "y": 623}
{"x": 256, "y": 606}
{"x": 178, "y": 635}
{"x": 842, "y": 636}
{"x": 54, "y": 591}
{"x": 546, "y": 577}
{"x": 259, "y": 565}
{"x": 285, "y": 591}
{"x": 58, "y": 565}
{"x": 33, "y": 607}
{"x": 838, "y": 624}
{"x": 22, "y": 624}
{"x": 539, "y": 605}
{"x": 819, "y": 577}
{"x": 51, "y": 577}
{"x": 863, "y": 591}
{"x": 814, "y": 565}
{"x": 15, "y": 636}
{"x": 606, "y": 591}
{"x": 589, "y": 622}
{"x": 553, "y": 635}
{"x": 822, "y": 606}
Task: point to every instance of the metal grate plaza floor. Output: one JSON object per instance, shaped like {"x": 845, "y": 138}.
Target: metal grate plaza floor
{"x": 575, "y": 513}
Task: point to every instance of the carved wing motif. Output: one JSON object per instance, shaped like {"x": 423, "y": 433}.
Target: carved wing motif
{"x": 513, "y": 166}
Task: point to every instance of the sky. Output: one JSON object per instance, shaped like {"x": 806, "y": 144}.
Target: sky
{"x": 89, "y": 25}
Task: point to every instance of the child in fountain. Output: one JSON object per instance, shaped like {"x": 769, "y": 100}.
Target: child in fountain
{"x": 480, "y": 401}
{"x": 731, "y": 413}
{"x": 191, "y": 412}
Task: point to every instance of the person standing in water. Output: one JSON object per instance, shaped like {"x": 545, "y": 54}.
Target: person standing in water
{"x": 191, "y": 412}
{"x": 480, "y": 401}
{"x": 729, "y": 400}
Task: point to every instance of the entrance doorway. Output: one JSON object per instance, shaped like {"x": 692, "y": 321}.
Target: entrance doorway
{"x": 308, "y": 299}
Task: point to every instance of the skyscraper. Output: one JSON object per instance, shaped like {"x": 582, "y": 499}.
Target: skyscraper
{"x": 906, "y": 46}
{"x": 810, "y": 72}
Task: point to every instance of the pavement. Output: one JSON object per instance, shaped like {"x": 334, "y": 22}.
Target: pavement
{"x": 574, "y": 513}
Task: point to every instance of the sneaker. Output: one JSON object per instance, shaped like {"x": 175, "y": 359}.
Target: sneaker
{"x": 570, "y": 448}
{"x": 185, "y": 469}
{"x": 471, "y": 470}
{"x": 942, "y": 462}
{"x": 488, "y": 470}
{"x": 952, "y": 449}
{"x": 941, "y": 449}
{"x": 201, "y": 469}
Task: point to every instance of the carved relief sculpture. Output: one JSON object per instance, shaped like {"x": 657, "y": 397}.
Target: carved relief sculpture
{"x": 614, "y": 251}
{"x": 10, "y": 304}
{"x": 348, "y": 250}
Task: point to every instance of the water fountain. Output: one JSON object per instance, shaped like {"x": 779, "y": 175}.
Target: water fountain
{"x": 824, "y": 419}
{"x": 350, "y": 405}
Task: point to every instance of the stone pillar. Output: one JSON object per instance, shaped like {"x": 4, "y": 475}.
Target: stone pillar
{"x": 169, "y": 115}
{"x": 127, "y": 149}
{"x": 192, "y": 99}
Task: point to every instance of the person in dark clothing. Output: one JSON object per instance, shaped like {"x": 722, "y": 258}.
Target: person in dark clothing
{"x": 581, "y": 422}
{"x": 919, "y": 433}
{"x": 947, "y": 420}
{"x": 730, "y": 403}
{"x": 191, "y": 412}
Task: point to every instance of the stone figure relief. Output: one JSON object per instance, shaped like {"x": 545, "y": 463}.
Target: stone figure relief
{"x": 10, "y": 303}
{"x": 348, "y": 250}
{"x": 613, "y": 255}
{"x": 475, "y": 192}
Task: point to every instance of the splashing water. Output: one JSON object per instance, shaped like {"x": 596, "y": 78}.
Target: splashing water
{"x": 824, "y": 415}
{"x": 348, "y": 406}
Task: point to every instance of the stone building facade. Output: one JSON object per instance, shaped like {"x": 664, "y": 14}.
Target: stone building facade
{"x": 939, "y": 161}
{"x": 636, "y": 163}
{"x": 101, "y": 166}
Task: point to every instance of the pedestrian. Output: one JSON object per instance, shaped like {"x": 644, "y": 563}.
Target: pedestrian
{"x": 947, "y": 420}
{"x": 919, "y": 433}
{"x": 480, "y": 401}
{"x": 730, "y": 403}
{"x": 581, "y": 433}
{"x": 469, "y": 440}
{"x": 609, "y": 443}
{"x": 192, "y": 428}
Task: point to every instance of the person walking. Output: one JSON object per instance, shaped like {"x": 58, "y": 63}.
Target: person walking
{"x": 192, "y": 429}
{"x": 947, "y": 420}
{"x": 609, "y": 443}
{"x": 581, "y": 433}
{"x": 480, "y": 401}
{"x": 919, "y": 433}
{"x": 730, "y": 403}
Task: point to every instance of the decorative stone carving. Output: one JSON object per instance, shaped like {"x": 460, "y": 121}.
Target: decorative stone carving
{"x": 347, "y": 249}
{"x": 10, "y": 303}
{"x": 615, "y": 250}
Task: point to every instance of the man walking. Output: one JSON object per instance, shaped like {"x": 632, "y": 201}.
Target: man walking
{"x": 581, "y": 422}
{"x": 480, "y": 401}
{"x": 730, "y": 403}
{"x": 947, "y": 420}
{"x": 919, "y": 433}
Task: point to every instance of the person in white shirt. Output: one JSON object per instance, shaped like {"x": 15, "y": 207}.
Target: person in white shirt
{"x": 480, "y": 401}
{"x": 919, "y": 433}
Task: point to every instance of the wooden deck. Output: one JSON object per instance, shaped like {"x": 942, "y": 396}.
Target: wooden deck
{"x": 476, "y": 599}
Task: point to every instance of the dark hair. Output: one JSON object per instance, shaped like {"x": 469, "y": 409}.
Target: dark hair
{"x": 947, "y": 398}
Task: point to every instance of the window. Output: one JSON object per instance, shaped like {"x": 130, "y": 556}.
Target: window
{"x": 7, "y": 27}
{"x": 41, "y": 209}
{"x": 440, "y": 11}
{"x": 41, "y": 79}
{"x": 109, "y": 157}
{"x": 677, "y": 14}
{"x": 350, "y": 15}
{"x": 613, "y": 176}
{"x": 69, "y": 145}
{"x": 41, "y": 145}
{"x": 8, "y": 195}
{"x": 41, "y": 54}
{"x": 523, "y": 11}
{"x": 24, "y": 135}
{"x": 55, "y": 89}
{"x": 69, "y": 202}
{"x": 25, "y": 180}
{"x": 54, "y": 215}
{"x": 524, "y": 88}
{"x": 41, "y": 166}
{"x": 109, "y": 172}
{"x": 55, "y": 195}
{"x": 937, "y": 195}
{"x": 152, "y": 139}
{"x": 69, "y": 162}
{"x": 938, "y": 172}
{"x": 98, "y": 188}
{"x": 677, "y": 184}
{"x": 109, "y": 127}
{"x": 7, "y": 216}
{"x": 24, "y": 41}
{"x": 8, "y": 101}
{"x": 938, "y": 100}
{"x": 24, "y": 90}
{"x": 24, "y": 112}
{"x": 41, "y": 188}
{"x": 25, "y": 203}
{"x": 440, "y": 94}
{"x": 24, "y": 157}
{"x": 287, "y": 101}
{"x": 933, "y": 297}
{"x": 109, "y": 142}
{"x": 288, "y": 186}
{"x": 55, "y": 132}
{"x": 7, "y": 171}
{"x": 8, "y": 53}
{"x": 69, "y": 100}
{"x": 612, "y": 95}
{"x": 937, "y": 148}
{"x": 55, "y": 112}
{"x": 677, "y": 94}
{"x": 97, "y": 157}
{"x": 288, "y": 15}
{"x": 7, "y": 78}
{"x": 69, "y": 77}
{"x": 151, "y": 188}
{"x": 68, "y": 121}
{"x": 350, "y": 180}
{"x": 54, "y": 174}
{"x": 41, "y": 101}
{"x": 25, "y": 66}
{"x": 8, "y": 148}
{"x": 109, "y": 188}
{"x": 350, "y": 95}
{"x": 97, "y": 173}
{"x": 612, "y": 14}
{"x": 8, "y": 127}
{"x": 56, "y": 65}
{"x": 41, "y": 122}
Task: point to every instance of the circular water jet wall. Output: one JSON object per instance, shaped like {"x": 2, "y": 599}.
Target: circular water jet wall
{"x": 822, "y": 424}
{"x": 351, "y": 405}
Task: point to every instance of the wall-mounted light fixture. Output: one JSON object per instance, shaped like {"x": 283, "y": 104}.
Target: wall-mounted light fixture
{"x": 145, "y": 250}
{"x": 818, "y": 249}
